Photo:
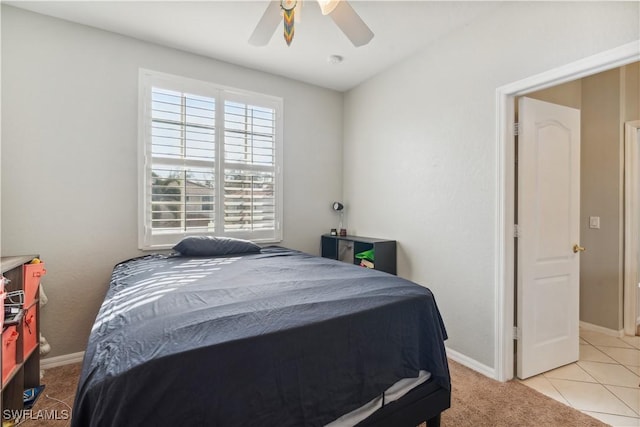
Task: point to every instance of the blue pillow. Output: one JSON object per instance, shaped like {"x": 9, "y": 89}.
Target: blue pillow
{"x": 214, "y": 246}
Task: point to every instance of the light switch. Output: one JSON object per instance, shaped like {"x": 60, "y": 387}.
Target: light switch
{"x": 594, "y": 222}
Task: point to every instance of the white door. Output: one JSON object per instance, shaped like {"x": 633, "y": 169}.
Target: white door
{"x": 548, "y": 265}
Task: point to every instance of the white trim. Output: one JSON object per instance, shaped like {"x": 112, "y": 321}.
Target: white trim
{"x": 471, "y": 363}
{"x": 631, "y": 225}
{"x": 504, "y": 219}
{"x": 606, "y": 331}
{"x": 65, "y": 359}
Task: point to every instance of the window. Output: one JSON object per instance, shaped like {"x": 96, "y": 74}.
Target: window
{"x": 209, "y": 162}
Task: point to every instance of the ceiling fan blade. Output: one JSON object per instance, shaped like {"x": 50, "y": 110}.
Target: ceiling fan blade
{"x": 267, "y": 25}
{"x": 351, "y": 24}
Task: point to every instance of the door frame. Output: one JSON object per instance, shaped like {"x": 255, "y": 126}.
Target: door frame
{"x": 505, "y": 185}
{"x": 631, "y": 224}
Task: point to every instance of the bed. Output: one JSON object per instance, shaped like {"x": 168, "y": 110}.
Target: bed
{"x": 273, "y": 338}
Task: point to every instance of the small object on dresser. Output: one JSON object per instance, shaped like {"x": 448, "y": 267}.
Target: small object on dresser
{"x": 366, "y": 263}
{"x": 14, "y": 317}
{"x": 369, "y": 255}
{"x": 13, "y": 304}
{"x": 334, "y": 232}
{"x": 343, "y": 232}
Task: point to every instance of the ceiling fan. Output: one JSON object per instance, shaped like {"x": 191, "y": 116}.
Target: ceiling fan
{"x": 339, "y": 10}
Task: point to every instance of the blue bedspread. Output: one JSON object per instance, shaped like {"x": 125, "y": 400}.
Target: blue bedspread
{"x": 279, "y": 338}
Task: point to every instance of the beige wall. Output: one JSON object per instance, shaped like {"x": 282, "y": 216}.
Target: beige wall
{"x": 568, "y": 94}
{"x": 631, "y": 92}
{"x": 609, "y": 99}
{"x": 601, "y": 195}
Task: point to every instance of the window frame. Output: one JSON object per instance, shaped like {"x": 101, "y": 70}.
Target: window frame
{"x": 147, "y": 240}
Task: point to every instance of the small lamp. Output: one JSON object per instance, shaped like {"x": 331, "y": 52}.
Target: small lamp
{"x": 339, "y": 207}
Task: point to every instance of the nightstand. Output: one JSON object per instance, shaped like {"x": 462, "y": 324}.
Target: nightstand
{"x": 384, "y": 250}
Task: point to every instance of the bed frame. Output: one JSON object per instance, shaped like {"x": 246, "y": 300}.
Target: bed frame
{"x": 424, "y": 403}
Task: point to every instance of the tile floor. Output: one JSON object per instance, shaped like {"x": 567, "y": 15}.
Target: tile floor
{"x": 604, "y": 383}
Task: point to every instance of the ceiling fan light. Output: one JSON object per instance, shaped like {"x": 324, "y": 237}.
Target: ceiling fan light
{"x": 327, "y": 6}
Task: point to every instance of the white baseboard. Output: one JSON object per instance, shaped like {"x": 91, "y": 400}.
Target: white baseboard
{"x": 471, "y": 363}
{"x": 65, "y": 359}
{"x": 602, "y": 330}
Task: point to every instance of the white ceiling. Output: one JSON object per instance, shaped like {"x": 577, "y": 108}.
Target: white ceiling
{"x": 220, "y": 29}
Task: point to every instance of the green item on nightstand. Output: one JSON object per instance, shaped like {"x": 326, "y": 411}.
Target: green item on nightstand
{"x": 368, "y": 255}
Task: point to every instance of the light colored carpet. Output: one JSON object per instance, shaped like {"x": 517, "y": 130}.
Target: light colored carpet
{"x": 479, "y": 401}
{"x": 476, "y": 401}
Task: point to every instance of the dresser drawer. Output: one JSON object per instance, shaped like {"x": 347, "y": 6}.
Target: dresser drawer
{"x": 30, "y": 337}
{"x": 9, "y": 354}
{"x": 32, "y": 274}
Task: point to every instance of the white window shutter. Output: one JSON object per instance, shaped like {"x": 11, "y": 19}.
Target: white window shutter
{"x": 210, "y": 162}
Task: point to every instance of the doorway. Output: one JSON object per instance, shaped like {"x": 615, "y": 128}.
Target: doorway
{"x": 505, "y": 304}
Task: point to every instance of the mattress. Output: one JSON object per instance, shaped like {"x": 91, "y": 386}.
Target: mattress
{"x": 279, "y": 338}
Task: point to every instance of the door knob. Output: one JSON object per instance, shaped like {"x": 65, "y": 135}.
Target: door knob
{"x": 577, "y": 248}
